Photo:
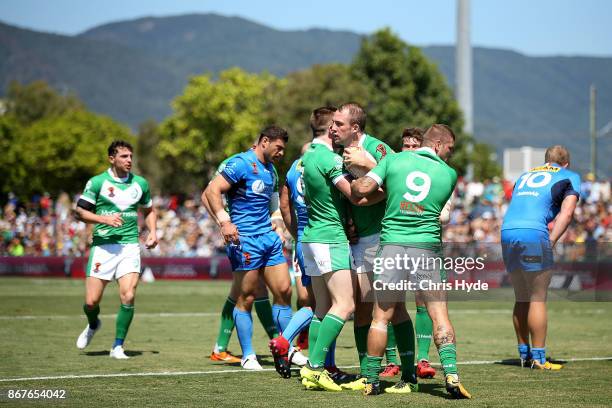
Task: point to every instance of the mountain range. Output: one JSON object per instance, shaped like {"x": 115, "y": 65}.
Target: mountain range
{"x": 131, "y": 70}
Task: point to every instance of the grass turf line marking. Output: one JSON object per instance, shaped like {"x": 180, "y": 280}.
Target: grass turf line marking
{"x": 239, "y": 370}
{"x": 208, "y": 314}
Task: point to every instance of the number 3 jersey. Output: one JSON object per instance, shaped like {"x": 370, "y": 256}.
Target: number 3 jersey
{"x": 537, "y": 197}
{"x": 418, "y": 185}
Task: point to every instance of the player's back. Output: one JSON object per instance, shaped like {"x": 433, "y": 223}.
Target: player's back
{"x": 537, "y": 197}
{"x": 295, "y": 183}
{"x": 418, "y": 185}
{"x": 326, "y": 206}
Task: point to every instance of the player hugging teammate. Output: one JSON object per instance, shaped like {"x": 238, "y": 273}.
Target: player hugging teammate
{"x": 336, "y": 204}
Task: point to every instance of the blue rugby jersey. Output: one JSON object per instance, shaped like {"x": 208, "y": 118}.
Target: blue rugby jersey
{"x": 296, "y": 194}
{"x": 253, "y": 183}
{"x": 537, "y": 196}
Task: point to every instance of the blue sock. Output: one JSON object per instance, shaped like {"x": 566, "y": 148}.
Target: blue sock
{"x": 523, "y": 350}
{"x": 244, "y": 328}
{"x": 330, "y": 358}
{"x": 118, "y": 342}
{"x": 281, "y": 316}
{"x": 539, "y": 353}
{"x": 300, "y": 320}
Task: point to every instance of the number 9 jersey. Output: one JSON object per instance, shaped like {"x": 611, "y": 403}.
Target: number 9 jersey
{"x": 537, "y": 197}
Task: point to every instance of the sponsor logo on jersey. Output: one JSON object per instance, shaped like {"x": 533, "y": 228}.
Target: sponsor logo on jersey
{"x": 546, "y": 168}
{"x": 407, "y": 207}
{"x": 97, "y": 267}
{"x": 247, "y": 258}
{"x": 111, "y": 191}
{"x": 382, "y": 150}
{"x": 255, "y": 171}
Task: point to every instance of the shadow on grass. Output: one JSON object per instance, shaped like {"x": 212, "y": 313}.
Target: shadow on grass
{"x": 129, "y": 353}
{"x": 436, "y": 389}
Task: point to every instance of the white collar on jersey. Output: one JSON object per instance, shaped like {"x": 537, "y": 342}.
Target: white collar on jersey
{"x": 361, "y": 139}
{"x": 426, "y": 149}
{"x": 118, "y": 179}
{"x": 317, "y": 141}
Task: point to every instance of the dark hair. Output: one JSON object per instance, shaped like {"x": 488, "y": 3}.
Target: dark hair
{"x": 320, "y": 119}
{"x": 274, "y": 133}
{"x": 413, "y": 133}
{"x": 356, "y": 113}
{"x": 557, "y": 154}
{"x": 117, "y": 144}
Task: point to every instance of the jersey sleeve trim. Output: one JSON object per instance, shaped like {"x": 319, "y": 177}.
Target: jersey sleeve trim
{"x": 89, "y": 200}
{"x": 337, "y": 179}
{"x": 375, "y": 177}
{"x": 149, "y": 204}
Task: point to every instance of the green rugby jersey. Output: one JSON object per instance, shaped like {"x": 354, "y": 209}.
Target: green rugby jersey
{"x": 325, "y": 203}
{"x": 418, "y": 185}
{"x": 112, "y": 195}
{"x": 367, "y": 219}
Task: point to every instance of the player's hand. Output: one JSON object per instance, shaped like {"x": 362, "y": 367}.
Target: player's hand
{"x": 113, "y": 220}
{"x": 151, "y": 241}
{"x": 230, "y": 233}
{"x": 351, "y": 232}
{"x": 354, "y": 157}
{"x": 279, "y": 232}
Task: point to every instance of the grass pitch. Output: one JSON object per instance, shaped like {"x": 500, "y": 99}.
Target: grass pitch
{"x": 176, "y": 323}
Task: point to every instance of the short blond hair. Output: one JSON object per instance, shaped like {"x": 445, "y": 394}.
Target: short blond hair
{"x": 557, "y": 154}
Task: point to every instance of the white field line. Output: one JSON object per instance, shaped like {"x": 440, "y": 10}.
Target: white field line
{"x": 231, "y": 371}
{"x": 209, "y": 314}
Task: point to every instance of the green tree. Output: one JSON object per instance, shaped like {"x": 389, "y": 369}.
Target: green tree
{"x": 37, "y": 100}
{"x": 146, "y": 161}
{"x": 60, "y": 153}
{"x": 303, "y": 91}
{"x": 211, "y": 121}
{"x": 405, "y": 90}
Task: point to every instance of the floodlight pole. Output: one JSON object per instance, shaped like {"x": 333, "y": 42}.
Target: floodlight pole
{"x": 593, "y": 123}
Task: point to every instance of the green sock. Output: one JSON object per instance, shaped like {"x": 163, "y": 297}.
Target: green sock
{"x": 390, "y": 353}
{"x": 361, "y": 341}
{"x": 124, "y": 319}
{"x": 424, "y": 328}
{"x": 331, "y": 326}
{"x": 227, "y": 326}
{"x": 264, "y": 313}
{"x": 373, "y": 368}
{"x": 448, "y": 358}
{"x": 404, "y": 333}
{"x": 313, "y": 331}
{"x": 92, "y": 315}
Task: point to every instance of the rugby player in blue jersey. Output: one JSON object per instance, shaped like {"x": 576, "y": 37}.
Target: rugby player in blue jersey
{"x": 250, "y": 184}
{"x": 541, "y": 195}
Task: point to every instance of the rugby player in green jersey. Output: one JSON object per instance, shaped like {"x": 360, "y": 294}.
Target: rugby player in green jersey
{"x": 111, "y": 200}
{"x": 361, "y": 153}
{"x": 418, "y": 185}
{"x": 327, "y": 255}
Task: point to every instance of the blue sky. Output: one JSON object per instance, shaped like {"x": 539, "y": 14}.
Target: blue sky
{"x": 533, "y": 27}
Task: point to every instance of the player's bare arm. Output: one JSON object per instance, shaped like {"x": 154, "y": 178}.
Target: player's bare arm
{"x": 363, "y": 186}
{"x": 89, "y": 217}
{"x": 564, "y": 218}
{"x": 214, "y": 194}
{"x": 376, "y": 196}
{"x": 286, "y": 209}
{"x": 150, "y": 217}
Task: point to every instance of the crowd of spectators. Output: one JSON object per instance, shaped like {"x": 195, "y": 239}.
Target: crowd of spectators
{"x": 45, "y": 226}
